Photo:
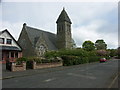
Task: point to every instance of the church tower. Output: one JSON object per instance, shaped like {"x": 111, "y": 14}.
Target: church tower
{"x": 64, "y": 39}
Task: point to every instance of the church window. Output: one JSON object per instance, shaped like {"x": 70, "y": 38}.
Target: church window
{"x": 41, "y": 50}
{"x": 68, "y": 27}
{"x": 59, "y": 28}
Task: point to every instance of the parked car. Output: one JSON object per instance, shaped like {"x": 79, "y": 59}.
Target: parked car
{"x": 103, "y": 60}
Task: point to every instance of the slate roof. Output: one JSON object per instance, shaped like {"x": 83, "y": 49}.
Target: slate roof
{"x": 63, "y": 17}
{"x": 34, "y": 35}
{"x": 11, "y": 48}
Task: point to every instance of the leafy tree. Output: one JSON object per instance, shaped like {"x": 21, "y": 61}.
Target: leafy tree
{"x": 100, "y": 44}
{"x": 88, "y": 46}
{"x": 101, "y": 52}
{"x": 113, "y": 52}
{"x": 119, "y": 52}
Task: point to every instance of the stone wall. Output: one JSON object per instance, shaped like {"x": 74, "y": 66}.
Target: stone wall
{"x": 21, "y": 67}
{"x": 46, "y": 65}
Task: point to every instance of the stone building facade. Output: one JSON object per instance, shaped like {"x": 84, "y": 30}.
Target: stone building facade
{"x": 36, "y": 42}
{"x": 64, "y": 31}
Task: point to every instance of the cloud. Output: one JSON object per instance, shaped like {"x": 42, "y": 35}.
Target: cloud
{"x": 13, "y": 28}
{"x": 90, "y": 32}
{"x": 90, "y": 21}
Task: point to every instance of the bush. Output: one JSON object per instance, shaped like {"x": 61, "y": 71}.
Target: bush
{"x": 70, "y": 60}
{"x": 60, "y": 53}
{"x": 51, "y": 54}
{"x": 20, "y": 60}
{"x": 93, "y": 59}
{"x": 84, "y": 60}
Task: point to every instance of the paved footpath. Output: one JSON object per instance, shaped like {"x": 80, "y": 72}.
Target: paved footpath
{"x": 93, "y": 75}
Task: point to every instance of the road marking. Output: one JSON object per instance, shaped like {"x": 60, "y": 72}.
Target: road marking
{"x": 84, "y": 76}
{"x": 110, "y": 86}
{"x": 48, "y": 80}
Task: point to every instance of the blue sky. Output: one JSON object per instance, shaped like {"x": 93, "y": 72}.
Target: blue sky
{"x": 90, "y": 20}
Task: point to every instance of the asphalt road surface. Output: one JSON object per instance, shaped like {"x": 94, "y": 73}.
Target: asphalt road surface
{"x": 94, "y": 75}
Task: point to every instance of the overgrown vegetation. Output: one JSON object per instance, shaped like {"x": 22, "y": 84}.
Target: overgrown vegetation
{"x": 76, "y": 56}
{"x": 89, "y": 53}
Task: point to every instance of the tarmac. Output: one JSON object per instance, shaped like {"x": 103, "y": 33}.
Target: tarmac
{"x": 6, "y": 74}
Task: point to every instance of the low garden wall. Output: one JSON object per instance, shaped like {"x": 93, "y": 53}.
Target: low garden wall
{"x": 12, "y": 66}
{"x": 21, "y": 67}
{"x": 46, "y": 65}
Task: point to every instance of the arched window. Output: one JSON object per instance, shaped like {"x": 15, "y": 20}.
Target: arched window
{"x": 41, "y": 50}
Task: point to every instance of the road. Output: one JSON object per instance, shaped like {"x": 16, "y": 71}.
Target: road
{"x": 94, "y": 75}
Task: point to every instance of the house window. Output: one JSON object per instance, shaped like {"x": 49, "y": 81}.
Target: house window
{"x": 16, "y": 55}
{"x": 12, "y": 54}
{"x": 9, "y": 41}
{"x": 1, "y": 40}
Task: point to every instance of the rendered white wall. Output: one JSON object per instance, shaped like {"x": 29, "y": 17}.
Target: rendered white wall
{"x": 6, "y": 36}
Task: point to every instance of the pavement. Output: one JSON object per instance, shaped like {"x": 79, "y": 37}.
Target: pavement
{"x": 93, "y": 75}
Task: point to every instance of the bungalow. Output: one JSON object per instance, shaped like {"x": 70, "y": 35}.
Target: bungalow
{"x": 9, "y": 48}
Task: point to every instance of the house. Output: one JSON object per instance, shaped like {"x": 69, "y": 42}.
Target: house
{"x": 36, "y": 42}
{"x": 9, "y": 47}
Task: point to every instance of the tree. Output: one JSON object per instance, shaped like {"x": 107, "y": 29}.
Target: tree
{"x": 113, "y": 52}
{"x": 88, "y": 45}
{"x": 119, "y": 52}
{"x": 100, "y": 44}
{"x": 101, "y": 52}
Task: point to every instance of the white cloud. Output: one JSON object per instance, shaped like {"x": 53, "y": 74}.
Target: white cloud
{"x": 60, "y": 0}
{"x": 13, "y": 28}
{"x": 88, "y": 19}
{"x": 90, "y": 32}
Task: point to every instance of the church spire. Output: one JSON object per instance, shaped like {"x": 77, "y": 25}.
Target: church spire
{"x": 63, "y": 8}
{"x": 63, "y": 17}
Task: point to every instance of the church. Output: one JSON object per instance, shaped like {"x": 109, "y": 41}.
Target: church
{"x": 36, "y": 42}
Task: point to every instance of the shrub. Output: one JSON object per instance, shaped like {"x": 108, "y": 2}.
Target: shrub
{"x": 70, "y": 60}
{"x": 93, "y": 59}
{"x": 51, "y": 54}
{"x": 101, "y": 52}
{"x": 20, "y": 60}
{"x": 60, "y": 53}
{"x": 84, "y": 60}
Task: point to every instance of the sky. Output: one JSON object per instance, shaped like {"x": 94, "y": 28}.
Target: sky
{"x": 90, "y": 20}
